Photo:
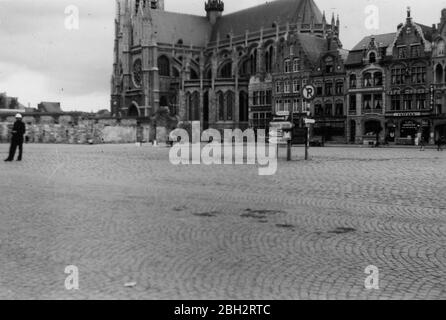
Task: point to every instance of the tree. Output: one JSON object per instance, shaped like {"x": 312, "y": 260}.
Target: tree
{"x": 2, "y": 102}
{"x": 14, "y": 104}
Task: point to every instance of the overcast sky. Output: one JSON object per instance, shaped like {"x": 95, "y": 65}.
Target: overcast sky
{"x": 41, "y": 60}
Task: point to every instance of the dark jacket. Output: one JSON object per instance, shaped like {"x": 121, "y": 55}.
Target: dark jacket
{"x": 18, "y": 131}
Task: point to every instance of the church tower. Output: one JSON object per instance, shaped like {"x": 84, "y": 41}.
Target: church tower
{"x": 152, "y": 4}
{"x": 214, "y": 10}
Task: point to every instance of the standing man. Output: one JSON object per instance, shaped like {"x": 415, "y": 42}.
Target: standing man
{"x": 440, "y": 142}
{"x": 18, "y": 131}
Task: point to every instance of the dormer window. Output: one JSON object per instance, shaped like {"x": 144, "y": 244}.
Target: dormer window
{"x": 372, "y": 57}
{"x": 329, "y": 65}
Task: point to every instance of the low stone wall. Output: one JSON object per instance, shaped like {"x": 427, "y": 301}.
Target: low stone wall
{"x": 98, "y": 131}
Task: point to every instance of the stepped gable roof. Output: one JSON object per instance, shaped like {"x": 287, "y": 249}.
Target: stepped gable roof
{"x": 265, "y": 15}
{"x": 171, "y": 27}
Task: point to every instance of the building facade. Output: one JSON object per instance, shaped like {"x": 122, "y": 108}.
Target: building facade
{"x": 247, "y": 68}
{"x": 217, "y": 69}
{"x": 390, "y": 86}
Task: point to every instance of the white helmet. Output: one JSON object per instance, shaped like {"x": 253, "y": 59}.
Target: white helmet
{"x": 18, "y": 116}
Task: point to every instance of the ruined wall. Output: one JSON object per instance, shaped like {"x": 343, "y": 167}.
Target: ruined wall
{"x": 47, "y": 130}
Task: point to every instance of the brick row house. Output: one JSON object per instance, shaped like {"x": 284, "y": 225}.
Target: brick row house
{"x": 391, "y": 89}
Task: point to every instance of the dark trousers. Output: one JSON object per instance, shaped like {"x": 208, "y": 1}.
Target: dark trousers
{"x": 14, "y": 144}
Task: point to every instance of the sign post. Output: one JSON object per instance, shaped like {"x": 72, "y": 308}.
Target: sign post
{"x": 308, "y": 93}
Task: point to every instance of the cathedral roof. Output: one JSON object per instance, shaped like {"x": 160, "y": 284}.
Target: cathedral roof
{"x": 171, "y": 27}
{"x": 312, "y": 46}
{"x": 265, "y": 15}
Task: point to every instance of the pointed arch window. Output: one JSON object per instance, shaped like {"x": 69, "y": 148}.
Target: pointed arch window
{"x": 164, "y": 66}
{"x": 226, "y": 71}
{"x": 253, "y": 61}
{"x": 269, "y": 60}
{"x": 221, "y": 106}
{"x": 230, "y": 101}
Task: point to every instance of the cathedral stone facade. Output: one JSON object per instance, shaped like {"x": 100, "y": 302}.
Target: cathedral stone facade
{"x": 217, "y": 68}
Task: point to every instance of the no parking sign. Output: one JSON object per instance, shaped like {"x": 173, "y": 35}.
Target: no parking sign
{"x": 309, "y": 92}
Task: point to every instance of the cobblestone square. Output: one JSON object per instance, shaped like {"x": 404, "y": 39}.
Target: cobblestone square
{"x": 123, "y": 214}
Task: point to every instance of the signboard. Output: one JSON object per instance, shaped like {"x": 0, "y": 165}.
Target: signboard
{"x": 310, "y": 121}
{"x": 408, "y": 114}
{"x": 282, "y": 132}
{"x": 281, "y": 125}
{"x": 309, "y": 92}
{"x": 283, "y": 113}
{"x": 409, "y": 124}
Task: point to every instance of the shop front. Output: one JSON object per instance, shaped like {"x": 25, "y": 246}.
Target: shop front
{"x": 330, "y": 130}
{"x": 439, "y": 129}
{"x": 404, "y": 130}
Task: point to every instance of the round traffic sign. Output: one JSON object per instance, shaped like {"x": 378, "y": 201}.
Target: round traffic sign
{"x": 309, "y": 92}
